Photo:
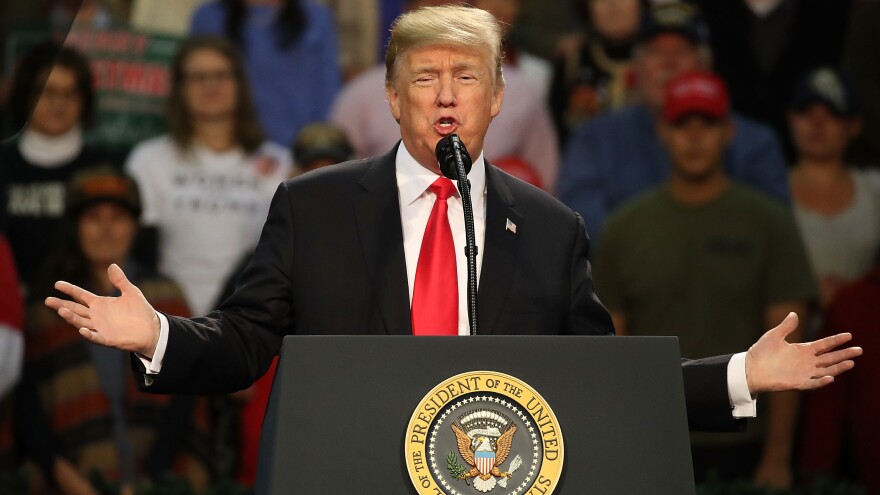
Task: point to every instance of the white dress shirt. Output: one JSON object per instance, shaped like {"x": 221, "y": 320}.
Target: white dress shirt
{"x": 416, "y": 202}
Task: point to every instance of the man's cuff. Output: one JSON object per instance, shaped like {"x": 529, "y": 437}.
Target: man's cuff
{"x": 741, "y": 400}
{"x": 154, "y": 366}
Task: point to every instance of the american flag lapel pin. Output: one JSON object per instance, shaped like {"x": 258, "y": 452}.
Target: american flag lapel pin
{"x": 510, "y": 226}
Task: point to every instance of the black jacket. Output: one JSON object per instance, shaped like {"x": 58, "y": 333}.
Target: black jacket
{"x": 330, "y": 261}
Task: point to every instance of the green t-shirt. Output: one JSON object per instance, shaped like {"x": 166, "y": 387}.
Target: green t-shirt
{"x": 703, "y": 273}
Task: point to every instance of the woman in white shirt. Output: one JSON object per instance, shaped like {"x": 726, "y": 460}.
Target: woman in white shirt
{"x": 207, "y": 184}
{"x": 836, "y": 206}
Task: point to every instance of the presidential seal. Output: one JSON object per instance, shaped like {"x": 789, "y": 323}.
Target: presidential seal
{"x": 483, "y": 432}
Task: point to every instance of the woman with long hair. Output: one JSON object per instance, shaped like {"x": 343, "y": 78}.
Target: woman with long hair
{"x": 207, "y": 184}
{"x": 292, "y": 57}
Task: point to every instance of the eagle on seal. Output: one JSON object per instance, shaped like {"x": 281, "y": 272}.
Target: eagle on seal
{"x": 478, "y": 451}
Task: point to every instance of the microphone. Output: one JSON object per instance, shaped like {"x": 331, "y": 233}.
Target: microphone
{"x": 455, "y": 164}
{"x": 450, "y": 153}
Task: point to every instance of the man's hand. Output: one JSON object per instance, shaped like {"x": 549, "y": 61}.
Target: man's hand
{"x": 774, "y": 365}
{"x": 127, "y": 322}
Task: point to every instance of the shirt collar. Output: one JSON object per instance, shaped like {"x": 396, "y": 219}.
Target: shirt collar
{"x": 413, "y": 179}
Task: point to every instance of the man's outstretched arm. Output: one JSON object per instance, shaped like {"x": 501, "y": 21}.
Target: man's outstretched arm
{"x": 128, "y": 322}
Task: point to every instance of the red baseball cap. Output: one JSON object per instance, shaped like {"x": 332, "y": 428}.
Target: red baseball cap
{"x": 700, "y": 93}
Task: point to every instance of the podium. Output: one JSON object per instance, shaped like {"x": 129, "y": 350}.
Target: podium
{"x": 344, "y": 416}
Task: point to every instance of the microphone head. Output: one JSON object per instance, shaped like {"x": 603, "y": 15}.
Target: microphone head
{"x": 446, "y": 150}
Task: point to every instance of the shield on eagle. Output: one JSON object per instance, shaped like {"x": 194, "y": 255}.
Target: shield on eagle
{"x": 485, "y": 461}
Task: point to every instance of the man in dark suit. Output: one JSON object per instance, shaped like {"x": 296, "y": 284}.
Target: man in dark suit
{"x": 359, "y": 248}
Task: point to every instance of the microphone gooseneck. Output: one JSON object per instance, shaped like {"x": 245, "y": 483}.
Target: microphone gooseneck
{"x": 455, "y": 163}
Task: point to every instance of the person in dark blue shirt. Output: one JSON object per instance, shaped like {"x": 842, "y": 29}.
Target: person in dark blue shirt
{"x": 616, "y": 156}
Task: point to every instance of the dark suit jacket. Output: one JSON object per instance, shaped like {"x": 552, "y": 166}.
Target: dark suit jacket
{"x": 331, "y": 261}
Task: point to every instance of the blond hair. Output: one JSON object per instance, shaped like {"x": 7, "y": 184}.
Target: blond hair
{"x": 455, "y": 25}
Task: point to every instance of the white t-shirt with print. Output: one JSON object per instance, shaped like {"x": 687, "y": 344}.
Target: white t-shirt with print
{"x": 209, "y": 208}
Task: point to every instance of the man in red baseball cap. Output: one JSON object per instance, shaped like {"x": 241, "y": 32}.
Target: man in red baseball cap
{"x": 709, "y": 260}
{"x": 696, "y": 129}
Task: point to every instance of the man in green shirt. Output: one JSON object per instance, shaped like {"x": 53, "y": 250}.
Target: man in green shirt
{"x": 711, "y": 261}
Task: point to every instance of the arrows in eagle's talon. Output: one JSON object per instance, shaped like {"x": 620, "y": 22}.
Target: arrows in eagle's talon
{"x": 514, "y": 465}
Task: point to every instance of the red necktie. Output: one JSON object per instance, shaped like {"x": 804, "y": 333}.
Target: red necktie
{"x": 435, "y": 295}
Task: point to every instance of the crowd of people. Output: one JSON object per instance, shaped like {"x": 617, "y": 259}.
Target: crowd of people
{"x": 723, "y": 156}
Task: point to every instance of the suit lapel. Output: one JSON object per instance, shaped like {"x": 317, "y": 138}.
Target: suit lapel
{"x": 377, "y": 211}
{"x": 500, "y": 250}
